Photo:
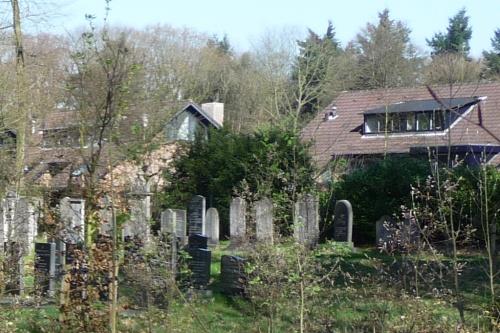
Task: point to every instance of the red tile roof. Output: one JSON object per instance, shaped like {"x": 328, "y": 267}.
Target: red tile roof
{"x": 343, "y": 135}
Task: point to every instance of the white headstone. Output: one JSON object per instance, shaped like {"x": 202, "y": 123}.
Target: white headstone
{"x": 306, "y": 220}
{"x": 237, "y": 219}
{"x": 264, "y": 231}
{"x": 212, "y": 228}
{"x": 72, "y": 214}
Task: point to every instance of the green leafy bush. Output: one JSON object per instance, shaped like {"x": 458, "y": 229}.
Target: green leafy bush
{"x": 272, "y": 162}
{"x": 377, "y": 189}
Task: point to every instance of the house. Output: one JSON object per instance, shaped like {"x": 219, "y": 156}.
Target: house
{"x": 55, "y": 157}
{"x": 461, "y": 120}
{"x": 192, "y": 119}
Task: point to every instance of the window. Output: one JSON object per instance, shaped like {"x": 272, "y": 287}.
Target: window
{"x": 421, "y": 121}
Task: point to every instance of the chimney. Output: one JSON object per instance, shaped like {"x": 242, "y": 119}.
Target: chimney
{"x": 214, "y": 110}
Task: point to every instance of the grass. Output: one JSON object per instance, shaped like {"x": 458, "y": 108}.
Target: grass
{"x": 357, "y": 307}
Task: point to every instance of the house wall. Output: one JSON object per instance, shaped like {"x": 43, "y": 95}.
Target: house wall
{"x": 184, "y": 127}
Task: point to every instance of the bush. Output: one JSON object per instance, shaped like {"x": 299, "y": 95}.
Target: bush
{"x": 273, "y": 162}
{"x": 378, "y": 189}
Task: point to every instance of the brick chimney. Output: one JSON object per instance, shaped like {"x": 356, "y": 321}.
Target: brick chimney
{"x": 214, "y": 110}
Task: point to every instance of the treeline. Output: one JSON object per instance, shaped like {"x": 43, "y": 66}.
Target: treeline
{"x": 279, "y": 76}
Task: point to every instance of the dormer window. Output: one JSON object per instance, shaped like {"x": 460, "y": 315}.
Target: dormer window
{"x": 331, "y": 114}
{"x": 416, "y": 116}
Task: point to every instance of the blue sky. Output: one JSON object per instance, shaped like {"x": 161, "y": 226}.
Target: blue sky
{"x": 244, "y": 21}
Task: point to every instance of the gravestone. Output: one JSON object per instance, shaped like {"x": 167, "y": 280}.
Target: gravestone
{"x": 45, "y": 268}
{"x": 342, "y": 222}
{"x": 237, "y": 220}
{"x": 168, "y": 222}
{"x": 196, "y": 215}
{"x": 386, "y": 227}
{"x": 264, "y": 231}
{"x": 233, "y": 277}
{"x": 200, "y": 260}
{"x": 212, "y": 228}
{"x": 19, "y": 220}
{"x": 174, "y": 221}
{"x": 410, "y": 233}
{"x": 181, "y": 225}
{"x": 72, "y": 213}
{"x": 140, "y": 217}
{"x": 306, "y": 220}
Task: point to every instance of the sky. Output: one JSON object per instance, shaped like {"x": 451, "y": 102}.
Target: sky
{"x": 245, "y": 21}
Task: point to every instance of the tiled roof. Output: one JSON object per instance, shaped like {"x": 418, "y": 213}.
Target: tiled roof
{"x": 343, "y": 135}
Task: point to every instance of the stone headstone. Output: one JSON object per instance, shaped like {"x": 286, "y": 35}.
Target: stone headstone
{"x": 19, "y": 220}
{"x": 212, "y": 228}
{"x": 410, "y": 233}
{"x": 199, "y": 264}
{"x": 197, "y": 241}
{"x": 196, "y": 215}
{"x": 386, "y": 228}
{"x": 264, "y": 231}
{"x": 200, "y": 260}
{"x": 72, "y": 213}
{"x": 168, "y": 221}
{"x": 233, "y": 277}
{"x": 45, "y": 268}
{"x": 342, "y": 222}
{"x": 140, "y": 216}
{"x": 237, "y": 220}
{"x": 174, "y": 221}
{"x": 306, "y": 220}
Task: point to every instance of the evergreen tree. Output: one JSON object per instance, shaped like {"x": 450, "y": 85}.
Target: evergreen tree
{"x": 457, "y": 38}
{"x": 492, "y": 58}
{"x": 310, "y": 71}
{"x": 386, "y": 57}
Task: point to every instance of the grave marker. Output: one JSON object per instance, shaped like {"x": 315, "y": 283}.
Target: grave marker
{"x": 233, "y": 277}
{"x": 264, "y": 231}
{"x": 342, "y": 222}
{"x": 212, "y": 228}
{"x": 196, "y": 215}
{"x": 306, "y": 220}
{"x": 237, "y": 220}
{"x": 45, "y": 268}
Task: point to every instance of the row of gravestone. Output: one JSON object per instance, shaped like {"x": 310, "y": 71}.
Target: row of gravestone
{"x": 198, "y": 220}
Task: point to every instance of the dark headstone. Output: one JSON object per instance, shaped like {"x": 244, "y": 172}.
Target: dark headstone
{"x": 196, "y": 215}
{"x": 13, "y": 268}
{"x": 198, "y": 242}
{"x": 45, "y": 268}
{"x": 342, "y": 222}
{"x": 233, "y": 277}
{"x": 199, "y": 264}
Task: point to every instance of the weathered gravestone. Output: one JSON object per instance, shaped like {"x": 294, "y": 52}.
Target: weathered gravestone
{"x": 386, "y": 231}
{"x": 410, "y": 233}
{"x": 264, "y": 231}
{"x": 342, "y": 222}
{"x": 212, "y": 228}
{"x": 196, "y": 215}
{"x": 140, "y": 217}
{"x": 306, "y": 220}
{"x": 237, "y": 220}
{"x": 233, "y": 276}
{"x": 45, "y": 268}
{"x": 19, "y": 220}
{"x": 72, "y": 213}
{"x": 174, "y": 221}
{"x": 199, "y": 264}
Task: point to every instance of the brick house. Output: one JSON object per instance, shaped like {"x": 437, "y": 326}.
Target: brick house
{"x": 462, "y": 120}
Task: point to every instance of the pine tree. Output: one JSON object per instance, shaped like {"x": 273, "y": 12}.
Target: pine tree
{"x": 386, "y": 57}
{"x": 311, "y": 68}
{"x": 457, "y": 38}
{"x": 492, "y": 58}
